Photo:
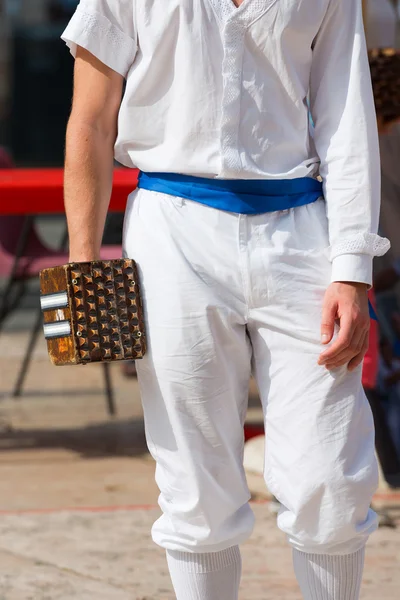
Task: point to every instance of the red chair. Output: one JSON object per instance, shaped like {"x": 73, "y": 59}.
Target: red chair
{"x": 22, "y": 255}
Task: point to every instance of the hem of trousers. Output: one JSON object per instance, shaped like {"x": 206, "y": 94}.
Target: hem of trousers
{"x": 344, "y": 549}
{"x": 327, "y": 554}
{"x": 203, "y": 549}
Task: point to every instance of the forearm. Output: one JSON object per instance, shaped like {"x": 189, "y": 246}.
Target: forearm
{"x": 87, "y": 186}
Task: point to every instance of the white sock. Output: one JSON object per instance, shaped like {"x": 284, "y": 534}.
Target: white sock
{"x": 327, "y": 577}
{"x": 207, "y": 576}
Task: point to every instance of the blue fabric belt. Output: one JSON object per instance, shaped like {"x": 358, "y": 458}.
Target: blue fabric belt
{"x": 244, "y": 196}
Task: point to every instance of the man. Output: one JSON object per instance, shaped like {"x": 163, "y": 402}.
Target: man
{"x": 243, "y": 263}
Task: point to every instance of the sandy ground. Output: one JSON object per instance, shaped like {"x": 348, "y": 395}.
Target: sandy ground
{"x": 77, "y": 498}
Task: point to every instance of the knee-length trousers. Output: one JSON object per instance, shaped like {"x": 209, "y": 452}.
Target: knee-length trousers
{"x": 226, "y": 295}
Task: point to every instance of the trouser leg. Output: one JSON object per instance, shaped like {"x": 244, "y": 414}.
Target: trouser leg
{"x": 320, "y": 461}
{"x": 194, "y": 378}
{"x": 320, "y": 456}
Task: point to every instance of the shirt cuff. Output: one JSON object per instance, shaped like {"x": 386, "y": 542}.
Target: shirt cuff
{"x": 356, "y": 268}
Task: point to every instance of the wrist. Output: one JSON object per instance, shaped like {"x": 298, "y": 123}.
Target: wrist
{"x": 82, "y": 256}
{"x": 356, "y": 284}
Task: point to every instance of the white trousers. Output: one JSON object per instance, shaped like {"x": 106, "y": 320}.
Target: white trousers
{"x": 225, "y": 295}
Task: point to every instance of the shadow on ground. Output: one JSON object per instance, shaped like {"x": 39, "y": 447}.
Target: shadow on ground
{"x": 113, "y": 438}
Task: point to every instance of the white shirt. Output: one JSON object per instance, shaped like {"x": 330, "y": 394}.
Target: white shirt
{"x": 219, "y": 91}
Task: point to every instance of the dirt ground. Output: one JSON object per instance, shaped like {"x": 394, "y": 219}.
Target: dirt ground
{"x": 77, "y": 498}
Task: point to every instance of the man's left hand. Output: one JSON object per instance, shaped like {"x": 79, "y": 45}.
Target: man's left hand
{"x": 346, "y": 303}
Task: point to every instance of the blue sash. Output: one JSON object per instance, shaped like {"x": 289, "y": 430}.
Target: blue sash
{"x": 244, "y": 196}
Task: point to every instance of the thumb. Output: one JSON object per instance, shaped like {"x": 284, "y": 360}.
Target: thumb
{"x": 329, "y": 312}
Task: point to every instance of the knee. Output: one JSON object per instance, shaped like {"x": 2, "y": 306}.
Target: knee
{"x": 328, "y": 510}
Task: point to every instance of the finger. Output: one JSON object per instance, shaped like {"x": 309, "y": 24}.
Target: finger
{"x": 342, "y": 341}
{"x": 357, "y": 360}
{"x": 354, "y": 348}
{"x": 329, "y": 313}
{"x": 347, "y": 357}
{"x": 337, "y": 363}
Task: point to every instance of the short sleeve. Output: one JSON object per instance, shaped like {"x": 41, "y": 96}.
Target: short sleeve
{"x": 106, "y": 28}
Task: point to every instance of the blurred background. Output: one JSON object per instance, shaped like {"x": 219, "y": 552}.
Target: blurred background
{"x": 77, "y": 496}
{"x": 35, "y": 80}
